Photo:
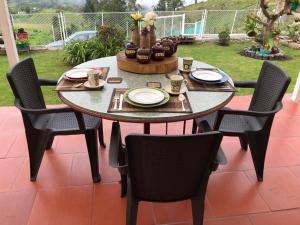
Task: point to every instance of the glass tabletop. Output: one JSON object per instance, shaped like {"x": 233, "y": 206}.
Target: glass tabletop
{"x": 96, "y": 103}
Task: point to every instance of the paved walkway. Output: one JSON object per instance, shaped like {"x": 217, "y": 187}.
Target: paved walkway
{"x": 65, "y": 195}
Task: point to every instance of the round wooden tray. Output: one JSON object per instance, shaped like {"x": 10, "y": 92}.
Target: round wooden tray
{"x": 168, "y": 65}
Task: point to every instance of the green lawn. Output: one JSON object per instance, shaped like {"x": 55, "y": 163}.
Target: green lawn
{"x": 50, "y": 64}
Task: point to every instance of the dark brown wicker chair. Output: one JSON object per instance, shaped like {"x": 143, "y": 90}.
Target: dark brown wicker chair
{"x": 42, "y": 124}
{"x": 165, "y": 168}
{"x": 254, "y": 125}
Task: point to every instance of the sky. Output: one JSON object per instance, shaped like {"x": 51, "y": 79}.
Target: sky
{"x": 150, "y": 3}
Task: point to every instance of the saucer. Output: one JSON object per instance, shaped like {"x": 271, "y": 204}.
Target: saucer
{"x": 181, "y": 70}
{"x": 87, "y": 85}
{"x": 169, "y": 90}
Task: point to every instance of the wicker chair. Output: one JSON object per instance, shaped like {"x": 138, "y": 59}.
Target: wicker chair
{"x": 42, "y": 124}
{"x": 165, "y": 168}
{"x": 254, "y": 125}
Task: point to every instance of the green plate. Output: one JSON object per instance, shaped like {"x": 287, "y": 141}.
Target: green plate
{"x": 166, "y": 99}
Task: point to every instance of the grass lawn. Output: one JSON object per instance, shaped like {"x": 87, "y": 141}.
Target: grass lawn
{"x": 50, "y": 64}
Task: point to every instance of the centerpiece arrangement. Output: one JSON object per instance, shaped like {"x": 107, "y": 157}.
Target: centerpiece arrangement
{"x": 145, "y": 53}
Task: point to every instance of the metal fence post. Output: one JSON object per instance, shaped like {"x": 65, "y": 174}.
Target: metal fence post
{"x": 102, "y": 19}
{"x": 164, "y": 27}
{"x": 204, "y": 22}
{"x": 172, "y": 24}
{"x": 183, "y": 25}
{"x": 233, "y": 21}
{"x": 60, "y": 28}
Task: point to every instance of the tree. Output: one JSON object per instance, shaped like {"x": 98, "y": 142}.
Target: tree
{"x": 168, "y": 5}
{"x": 282, "y": 7}
{"x": 90, "y": 6}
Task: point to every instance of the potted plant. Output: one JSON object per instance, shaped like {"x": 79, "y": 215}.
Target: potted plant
{"x": 224, "y": 37}
{"x": 22, "y": 34}
{"x": 135, "y": 34}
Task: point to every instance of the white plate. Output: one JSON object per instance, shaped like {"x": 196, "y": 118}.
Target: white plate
{"x": 77, "y": 73}
{"x": 146, "y": 96}
{"x": 207, "y": 75}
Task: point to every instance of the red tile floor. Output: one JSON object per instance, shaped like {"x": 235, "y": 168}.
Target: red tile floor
{"x": 65, "y": 195}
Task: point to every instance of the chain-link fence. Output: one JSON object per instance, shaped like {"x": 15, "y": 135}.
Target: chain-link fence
{"x": 50, "y": 27}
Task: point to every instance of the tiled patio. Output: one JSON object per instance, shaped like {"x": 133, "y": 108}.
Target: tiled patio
{"x": 65, "y": 195}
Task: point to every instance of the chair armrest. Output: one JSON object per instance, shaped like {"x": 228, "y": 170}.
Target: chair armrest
{"x": 245, "y": 84}
{"x": 42, "y": 111}
{"x": 220, "y": 158}
{"x": 223, "y": 112}
{"x": 46, "y": 82}
{"x": 116, "y": 148}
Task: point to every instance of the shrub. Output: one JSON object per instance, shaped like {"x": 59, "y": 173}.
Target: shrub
{"x": 109, "y": 41}
{"x": 224, "y": 37}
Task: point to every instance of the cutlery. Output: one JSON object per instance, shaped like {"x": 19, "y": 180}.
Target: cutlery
{"x": 121, "y": 102}
{"x": 78, "y": 85}
{"x": 181, "y": 98}
{"x": 116, "y": 98}
{"x": 208, "y": 68}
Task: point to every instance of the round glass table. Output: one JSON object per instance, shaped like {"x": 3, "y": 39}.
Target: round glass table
{"x": 96, "y": 103}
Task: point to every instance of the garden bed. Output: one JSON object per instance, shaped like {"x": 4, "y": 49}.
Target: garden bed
{"x": 257, "y": 55}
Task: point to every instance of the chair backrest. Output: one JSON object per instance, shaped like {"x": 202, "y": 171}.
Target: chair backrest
{"x": 24, "y": 82}
{"x": 271, "y": 85}
{"x": 170, "y": 168}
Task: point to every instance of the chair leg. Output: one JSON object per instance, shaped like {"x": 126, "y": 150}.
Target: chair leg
{"x": 258, "y": 147}
{"x": 123, "y": 185}
{"x": 194, "y": 128}
{"x": 197, "y": 210}
{"x": 132, "y": 210}
{"x": 36, "y": 142}
{"x": 244, "y": 142}
{"x": 50, "y": 142}
{"x": 92, "y": 146}
{"x": 101, "y": 135}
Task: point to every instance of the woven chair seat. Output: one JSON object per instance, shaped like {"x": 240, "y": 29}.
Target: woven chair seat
{"x": 232, "y": 123}
{"x": 63, "y": 122}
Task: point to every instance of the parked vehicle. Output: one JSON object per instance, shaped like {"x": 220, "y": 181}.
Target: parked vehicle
{"x": 77, "y": 36}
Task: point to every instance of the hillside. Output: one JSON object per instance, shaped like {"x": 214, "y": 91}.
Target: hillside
{"x": 223, "y": 4}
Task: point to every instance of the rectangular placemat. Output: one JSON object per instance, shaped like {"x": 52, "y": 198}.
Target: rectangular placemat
{"x": 194, "y": 86}
{"x": 173, "y": 106}
{"x": 67, "y": 85}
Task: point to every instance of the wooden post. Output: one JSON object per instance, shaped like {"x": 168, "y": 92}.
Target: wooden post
{"x": 296, "y": 93}
{"x": 8, "y": 35}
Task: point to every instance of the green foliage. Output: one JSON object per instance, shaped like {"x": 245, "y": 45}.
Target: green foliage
{"x": 168, "y": 5}
{"x": 294, "y": 32}
{"x": 224, "y": 37}
{"x": 104, "y": 5}
{"x": 109, "y": 41}
{"x": 251, "y": 26}
{"x": 222, "y": 4}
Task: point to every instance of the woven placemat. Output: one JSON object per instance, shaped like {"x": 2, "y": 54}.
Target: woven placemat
{"x": 173, "y": 106}
{"x": 194, "y": 86}
{"x": 68, "y": 85}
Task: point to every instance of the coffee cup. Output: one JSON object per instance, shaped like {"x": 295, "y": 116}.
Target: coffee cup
{"x": 187, "y": 63}
{"x": 93, "y": 78}
{"x": 176, "y": 83}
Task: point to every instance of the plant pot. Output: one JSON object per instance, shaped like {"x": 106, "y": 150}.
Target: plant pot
{"x": 143, "y": 55}
{"x": 145, "y": 41}
{"x": 22, "y": 36}
{"x": 135, "y": 36}
{"x": 131, "y": 50}
{"x": 168, "y": 46}
{"x": 158, "y": 52}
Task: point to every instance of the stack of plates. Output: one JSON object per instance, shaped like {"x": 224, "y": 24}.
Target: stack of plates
{"x": 146, "y": 97}
{"x": 77, "y": 74}
{"x": 207, "y": 76}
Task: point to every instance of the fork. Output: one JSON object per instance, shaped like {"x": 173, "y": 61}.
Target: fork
{"x": 116, "y": 99}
